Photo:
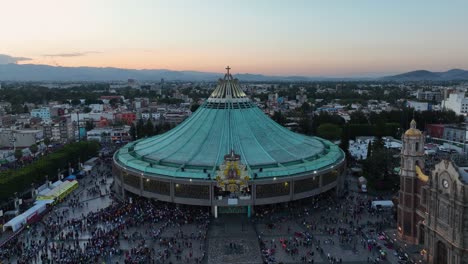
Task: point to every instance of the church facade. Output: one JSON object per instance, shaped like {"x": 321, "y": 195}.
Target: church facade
{"x": 433, "y": 209}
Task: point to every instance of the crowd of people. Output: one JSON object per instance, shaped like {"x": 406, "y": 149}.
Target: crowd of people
{"x": 140, "y": 230}
{"x": 123, "y": 232}
{"x": 344, "y": 222}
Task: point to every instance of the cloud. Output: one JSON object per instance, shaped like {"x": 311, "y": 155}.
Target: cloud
{"x": 6, "y": 59}
{"x": 71, "y": 54}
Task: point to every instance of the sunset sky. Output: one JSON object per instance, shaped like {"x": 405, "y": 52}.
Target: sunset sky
{"x": 312, "y": 38}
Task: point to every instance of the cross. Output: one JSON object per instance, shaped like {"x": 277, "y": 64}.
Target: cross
{"x": 228, "y": 68}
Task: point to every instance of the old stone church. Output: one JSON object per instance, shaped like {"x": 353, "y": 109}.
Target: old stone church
{"x": 433, "y": 209}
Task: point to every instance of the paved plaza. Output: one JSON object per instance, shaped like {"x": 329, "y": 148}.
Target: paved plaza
{"x": 90, "y": 226}
{"x": 232, "y": 239}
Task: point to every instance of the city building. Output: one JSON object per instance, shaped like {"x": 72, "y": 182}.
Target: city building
{"x": 61, "y": 131}
{"x": 20, "y": 138}
{"x": 433, "y": 209}
{"x": 418, "y": 106}
{"x": 435, "y": 130}
{"x": 57, "y": 110}
{"x": 148, "y": 115}
{"x": 7, "y": 120}
{"x": 435, "y": 96}
{"x": 42, "y": 113}
{"x": 456, "y": 102}
{"x": 455, "y": 133}
{"x": 176, "y": 116}
{"x": 125, "y": 117}
{"x": 229, "y": 154}
{"x": 99, "y": 135}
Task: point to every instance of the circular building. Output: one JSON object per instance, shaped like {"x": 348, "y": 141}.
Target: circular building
{"x": 228, "y": 155}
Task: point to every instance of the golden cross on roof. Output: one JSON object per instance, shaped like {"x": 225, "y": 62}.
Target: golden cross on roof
{"x": 228, "y": 68}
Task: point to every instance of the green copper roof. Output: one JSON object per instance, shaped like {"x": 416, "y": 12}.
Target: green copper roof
{"x": 227, "y": 121}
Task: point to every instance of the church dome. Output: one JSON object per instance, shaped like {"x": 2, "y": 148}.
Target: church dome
{"x": 229, "y": 121}
{"x": 413, "y": 131}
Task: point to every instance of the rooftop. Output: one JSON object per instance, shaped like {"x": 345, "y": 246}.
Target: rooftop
{"x": 229, "y": 121}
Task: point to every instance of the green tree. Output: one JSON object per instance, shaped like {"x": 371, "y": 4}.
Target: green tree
{"x": 19, "y": 179}
{"x": 132, "y": 131}
{"x": 34, "y": 148}
{"x": 380, "y": 128}
{"x": 194, "y": 107}
{"x": 89, "y": 125}
{"x": 344, "y": 140}
{"x": 378, "y": 145}
{"x": 325, "y": 117}
{"x": 305, "y": 124}
{"x": 329, "y": 131}
{"x": 47, "y": 141}
{"x": 87, "y": 109}
{"x": 305, "y": 107}
{"x": 75, "y": 102}
{"x": 113, "y": 102}
{"x": 379, "y": 165}
{"x": 149, "y": 128}
{"x": 140, "y": 129}
{"x": 18, "y": 154}
{"x": 279, "y": 117}
{"x": 358, "y": 117}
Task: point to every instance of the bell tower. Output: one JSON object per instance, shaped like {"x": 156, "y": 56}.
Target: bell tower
{"x": 412, "y": 156}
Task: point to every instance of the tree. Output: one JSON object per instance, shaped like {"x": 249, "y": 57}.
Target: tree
{"x": 25, "y": 109}
{"x": 305, "y": 124}
{"x": 378, "y": 145}
{"x": 89, "y": 125}
{"x": 18, "y": 154}
{"x": 75, "y": 102}
{"x": 305, "y": 107}
{"x": 325, "y": 117}
{"x": 344, "y": 144}
{"x": 194, "y": 107}
{"x": 113, "y": 102}
{"x": 358, "y": 117}
{"x": 379, "y": 165}
{"x": 87, "y": 109}
{"x": 47, "y": 141}
{"x": 329, "y": 131}
{"x": 20, "y": 179}
{"x": 34, "y": 148}
{"x": 279, "y": 117}
{"x": 132, "y": 131}
{"x": 149, "y": 128}
{"x": 380, "y": 128}
{"x": 140, "y": 130}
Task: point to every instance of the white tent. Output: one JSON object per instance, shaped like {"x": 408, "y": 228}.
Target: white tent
{"x": 16, "y": 223}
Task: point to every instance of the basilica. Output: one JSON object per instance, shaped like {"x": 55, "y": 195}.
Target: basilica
{"x": 433, "y": 207}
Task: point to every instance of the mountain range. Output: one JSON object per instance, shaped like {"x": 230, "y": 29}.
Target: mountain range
{"x": 38, "y": 72}
{"x": 423, "y": 75}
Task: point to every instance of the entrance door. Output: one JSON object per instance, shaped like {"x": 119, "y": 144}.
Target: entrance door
{"x": 421, "y": 234}
{"x": 441, "y": 253}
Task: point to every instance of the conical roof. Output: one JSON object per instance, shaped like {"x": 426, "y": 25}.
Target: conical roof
{"x": 228, "y": 121}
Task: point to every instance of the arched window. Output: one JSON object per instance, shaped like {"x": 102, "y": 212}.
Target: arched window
{"x": 417, "y": 146}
